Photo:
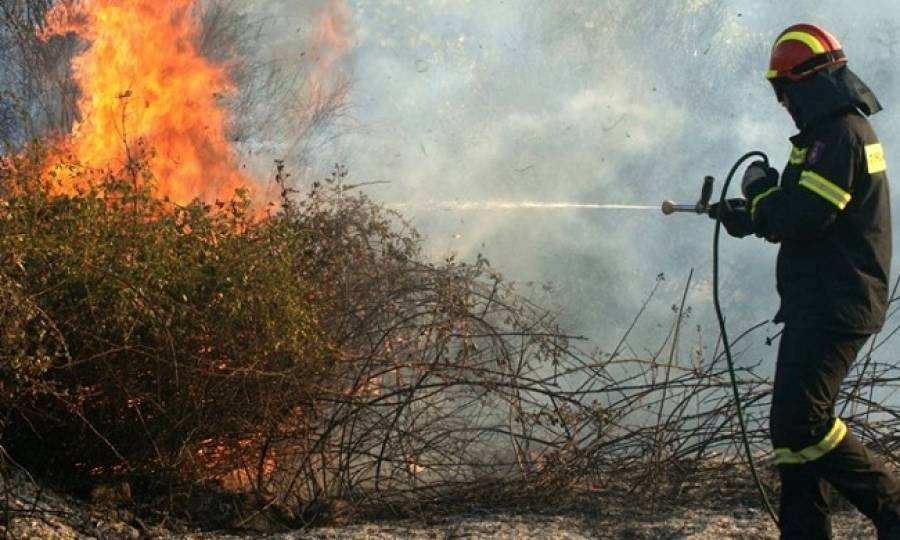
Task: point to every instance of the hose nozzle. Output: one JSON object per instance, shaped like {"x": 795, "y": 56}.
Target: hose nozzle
{"x": 669, "y": 207}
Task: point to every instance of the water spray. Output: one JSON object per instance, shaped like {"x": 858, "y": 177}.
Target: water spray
{"x": 668, "y": 207}
{"x": 517, "y": 205}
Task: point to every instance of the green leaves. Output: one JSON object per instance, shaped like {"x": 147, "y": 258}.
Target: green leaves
{"x": 210, "y": 343}
{"x": 114, "y": 294}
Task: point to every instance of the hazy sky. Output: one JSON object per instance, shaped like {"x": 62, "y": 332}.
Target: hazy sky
{"x": 625, "y": 101}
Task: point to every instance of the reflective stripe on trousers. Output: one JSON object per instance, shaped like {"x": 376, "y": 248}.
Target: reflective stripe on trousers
{"x": 786, "y": 456}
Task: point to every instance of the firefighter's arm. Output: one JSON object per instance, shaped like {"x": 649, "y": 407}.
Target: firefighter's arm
{"x": 805, "y": 211}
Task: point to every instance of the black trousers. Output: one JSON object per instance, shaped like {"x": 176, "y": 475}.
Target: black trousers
{"x": 811, "y": 365}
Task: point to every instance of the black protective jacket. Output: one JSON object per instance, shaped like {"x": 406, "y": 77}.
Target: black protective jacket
{"x": 831, "y": 214}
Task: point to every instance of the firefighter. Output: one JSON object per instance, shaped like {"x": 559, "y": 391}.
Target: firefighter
{"x": 830, "y": 214}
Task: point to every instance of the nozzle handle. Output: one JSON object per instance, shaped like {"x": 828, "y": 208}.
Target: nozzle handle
{"x": 705, "y": 193}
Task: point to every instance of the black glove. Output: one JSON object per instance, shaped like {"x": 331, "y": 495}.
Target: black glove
{"x": 735, "y": 216}
{"x": 758, "y": 178}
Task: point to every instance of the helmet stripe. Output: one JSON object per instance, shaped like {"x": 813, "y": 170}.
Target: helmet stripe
{"x": 808, "y": 39}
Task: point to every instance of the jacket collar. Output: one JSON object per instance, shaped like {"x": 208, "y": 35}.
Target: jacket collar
{"x": 808, "y": 134}
{"x": 826, "y": 94}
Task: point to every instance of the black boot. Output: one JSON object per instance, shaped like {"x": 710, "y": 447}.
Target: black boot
{"x": 865, "y": 482}
{"x": 804, "y": 511}
{"x": 889, "y": 533}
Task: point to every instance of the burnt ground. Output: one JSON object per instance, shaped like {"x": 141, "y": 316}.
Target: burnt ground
{"x": 712, "y": 507}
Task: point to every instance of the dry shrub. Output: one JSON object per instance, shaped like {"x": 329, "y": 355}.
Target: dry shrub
{"x": 186, "y": 329}
{"x": 304, "y": 356}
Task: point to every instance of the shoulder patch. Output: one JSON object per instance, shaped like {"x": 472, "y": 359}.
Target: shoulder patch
{"x": 815, "y": 153}
{"x": 875, "y": 160}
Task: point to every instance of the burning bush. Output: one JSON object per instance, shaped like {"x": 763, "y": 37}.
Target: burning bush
{"x": 179, "y": 324}
{"x": 303, "y": 354}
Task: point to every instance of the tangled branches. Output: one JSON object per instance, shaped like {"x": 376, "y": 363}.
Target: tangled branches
{"x": 308, "y": 364}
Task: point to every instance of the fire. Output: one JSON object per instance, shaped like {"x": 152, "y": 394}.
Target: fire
{"x": 414, "y": 467}
{"x": 144, "y": 85}
{"x": 331, "y": 41}
{"x": 221, "y": 460}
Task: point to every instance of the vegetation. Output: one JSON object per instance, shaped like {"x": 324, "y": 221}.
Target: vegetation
{"x": 301, "y": 353}
{"x": 301, "y": 362}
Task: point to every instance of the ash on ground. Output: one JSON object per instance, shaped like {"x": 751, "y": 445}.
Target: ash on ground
{"x": 31, "y": 512}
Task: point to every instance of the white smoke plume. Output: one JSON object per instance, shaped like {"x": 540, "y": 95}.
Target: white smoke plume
{"x": 617, "y": 102}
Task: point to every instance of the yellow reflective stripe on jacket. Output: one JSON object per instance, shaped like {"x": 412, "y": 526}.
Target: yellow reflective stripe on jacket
{"x": 784, "y": 456}
{"x": 875, "y": 160}
{"x": 798, "y": 155}
{"x": 760, "y": 197}
{"x": 824, "y": 188}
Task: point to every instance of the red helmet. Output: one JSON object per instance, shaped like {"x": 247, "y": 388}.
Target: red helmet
{"x": 801, "y": 50}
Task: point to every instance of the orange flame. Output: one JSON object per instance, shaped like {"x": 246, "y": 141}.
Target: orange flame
{"x": 331, "y": 41}
{"x": 144, "y": 83}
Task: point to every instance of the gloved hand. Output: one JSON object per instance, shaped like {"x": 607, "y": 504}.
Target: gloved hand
{"x": 735, "y": 216}
{"x": 758, "y": 178}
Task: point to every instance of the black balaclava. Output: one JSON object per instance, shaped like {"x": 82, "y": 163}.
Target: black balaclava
{"x": 825, "y": 93}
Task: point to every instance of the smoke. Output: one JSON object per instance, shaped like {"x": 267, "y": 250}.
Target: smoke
{"x": 567, "y": 101}
{"x": 457, "y": 108}
{"x": 617, "y": 102}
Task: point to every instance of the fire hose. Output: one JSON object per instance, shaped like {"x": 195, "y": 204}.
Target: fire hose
{"x": 702, "y": 207}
